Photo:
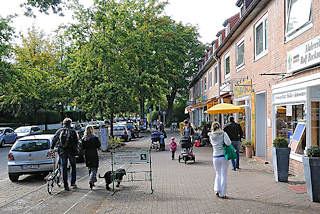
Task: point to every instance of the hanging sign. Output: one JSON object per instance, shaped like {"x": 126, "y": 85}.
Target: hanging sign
{"x": 242, "y": 89}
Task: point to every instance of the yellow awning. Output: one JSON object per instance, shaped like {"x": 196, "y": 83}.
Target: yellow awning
{"x": 224, "y": 108}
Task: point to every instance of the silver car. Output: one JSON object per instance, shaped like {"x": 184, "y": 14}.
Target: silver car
{"x": 30, "y": 155}
{"x": 27, "y": 130}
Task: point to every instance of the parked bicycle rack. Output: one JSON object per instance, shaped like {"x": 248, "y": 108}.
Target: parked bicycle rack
{"x": 132, "y": 157}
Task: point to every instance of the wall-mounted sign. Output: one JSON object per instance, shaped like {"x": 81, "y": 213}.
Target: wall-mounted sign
{"x": 290, "y": 96}
{"x": 303, "y": 56}
{"x": 242, "y": 89}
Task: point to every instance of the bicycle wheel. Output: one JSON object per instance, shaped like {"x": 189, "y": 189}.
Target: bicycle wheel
{"x": 50, "y": 186}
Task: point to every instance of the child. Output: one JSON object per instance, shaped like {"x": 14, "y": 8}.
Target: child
{"x": 173, "y": 147}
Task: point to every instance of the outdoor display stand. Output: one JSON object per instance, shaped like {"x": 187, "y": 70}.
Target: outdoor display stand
{"x": 132, "y": 157}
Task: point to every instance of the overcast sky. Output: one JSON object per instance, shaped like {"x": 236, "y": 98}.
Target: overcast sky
{"x": 208, "y": 15}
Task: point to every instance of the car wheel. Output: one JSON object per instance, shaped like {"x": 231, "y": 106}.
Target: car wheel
{"x": 13, "y": 177}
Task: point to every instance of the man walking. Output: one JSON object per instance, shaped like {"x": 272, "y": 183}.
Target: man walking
{"x": 66, "y": 140}
{"x": 235, "y": 134}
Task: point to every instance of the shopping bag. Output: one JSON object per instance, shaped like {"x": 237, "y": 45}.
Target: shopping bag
{"x": 229, "y": 152}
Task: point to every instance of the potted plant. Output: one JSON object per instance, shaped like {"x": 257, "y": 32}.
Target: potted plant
{"x": 248, "y": 146}
{"x": 280, "y": 154}
{"x": 311, "y": 163}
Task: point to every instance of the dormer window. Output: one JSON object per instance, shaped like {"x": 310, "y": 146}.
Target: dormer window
{"x": 228, "y": 29}
{"x": 242, "y": 10}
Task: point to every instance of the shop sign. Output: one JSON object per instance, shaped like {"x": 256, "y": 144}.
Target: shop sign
{"x": 242, "y": 89}
{"x": 291, "y": 96}
{"x": 303, "y": 56}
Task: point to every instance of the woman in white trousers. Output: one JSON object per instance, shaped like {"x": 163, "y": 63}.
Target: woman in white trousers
{"x": 217, "y": 138}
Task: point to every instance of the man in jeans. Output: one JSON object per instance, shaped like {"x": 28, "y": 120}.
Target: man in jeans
{"x": 67, "y": 151}
{"x": 235, "y": 134}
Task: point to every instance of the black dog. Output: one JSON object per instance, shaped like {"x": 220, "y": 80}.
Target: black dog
{"x": 117, "y": 176}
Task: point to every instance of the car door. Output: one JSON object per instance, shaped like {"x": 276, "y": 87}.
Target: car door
{"x": 12, "y": 136}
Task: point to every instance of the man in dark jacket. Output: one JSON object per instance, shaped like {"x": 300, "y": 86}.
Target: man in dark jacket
{"x": 66, "y": 139}
{"x": 235, "y": 134}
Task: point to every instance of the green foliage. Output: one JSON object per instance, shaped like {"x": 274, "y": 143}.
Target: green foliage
{"x": 246, "y": 143}
{"x": 313, "y": 151}
{"x": 43, "y": 5}
{"x": 280, "y": 142}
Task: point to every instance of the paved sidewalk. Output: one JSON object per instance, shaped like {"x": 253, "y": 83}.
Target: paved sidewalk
{"x": 180, "y": 188}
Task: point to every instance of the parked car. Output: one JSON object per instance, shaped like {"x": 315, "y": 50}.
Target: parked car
{"x": 7, "y": 136}
{"x": 122, "y": 131}
{"x": 30, "y": 155}
{"x": 27, "y": 130}
{"x": 134, "y": 130}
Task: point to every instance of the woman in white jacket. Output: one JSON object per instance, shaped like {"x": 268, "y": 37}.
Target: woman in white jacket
{"x": 217, "y": 138}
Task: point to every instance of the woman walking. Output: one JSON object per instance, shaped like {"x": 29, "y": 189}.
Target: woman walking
{"x": 217, "y": 138}
{"x": 90, "y": 145}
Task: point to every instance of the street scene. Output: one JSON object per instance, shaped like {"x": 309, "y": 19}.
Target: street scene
{"x": 160, "y": 106}
{"x": 178, "y": 188}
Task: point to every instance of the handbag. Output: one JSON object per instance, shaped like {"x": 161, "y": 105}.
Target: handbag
{"x": 229, "y": 152}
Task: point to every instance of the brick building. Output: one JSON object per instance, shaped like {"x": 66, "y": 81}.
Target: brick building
{"x": 266, "y": 60}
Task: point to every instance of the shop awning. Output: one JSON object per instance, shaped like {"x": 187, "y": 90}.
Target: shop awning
{"x": 224, "y": 108}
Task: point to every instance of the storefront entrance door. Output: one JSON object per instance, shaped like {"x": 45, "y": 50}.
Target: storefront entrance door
{"x": 261, "y": 124}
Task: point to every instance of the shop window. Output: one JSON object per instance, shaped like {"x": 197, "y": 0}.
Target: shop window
{"x": 299, "y": 16}
{"x": 287, "y": 119}
{"x": 240, "y": 54}
{"x": 315, "y": 123}
{"x": 261, "y": 37}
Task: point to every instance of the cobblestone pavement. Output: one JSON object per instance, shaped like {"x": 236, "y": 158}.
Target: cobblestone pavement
{"x": 188, "y": 188}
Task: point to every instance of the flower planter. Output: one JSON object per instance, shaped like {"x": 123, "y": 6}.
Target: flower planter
{"x": 312, "y": 175}
{"x": 281, "y": 163}
{"x": 249, "y": 151}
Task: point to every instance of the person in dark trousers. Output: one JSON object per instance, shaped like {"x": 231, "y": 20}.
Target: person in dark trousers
{"x": 90, "y": 146}
{"x": 204, "y": 135}
{"x": 66, "y": 140}
{"x": 235, "y": 134}
{"x": 162, "y": 137}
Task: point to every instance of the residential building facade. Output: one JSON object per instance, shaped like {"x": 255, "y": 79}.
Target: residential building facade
{"x": 267, "y": 61}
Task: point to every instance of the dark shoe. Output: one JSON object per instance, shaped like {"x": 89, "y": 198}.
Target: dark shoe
{"x": 234, "y": 169}
{"x": 238, "y": 167}
{"x": 217, "y": 194}
{"x": 66, "y": 189}
{"x": 74, "y": 185}
{"x": 91, "y": 184}
{"x": 224, "y": 197}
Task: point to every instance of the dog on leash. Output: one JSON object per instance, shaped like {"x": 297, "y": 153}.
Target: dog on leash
{"x": 117, "y": 176}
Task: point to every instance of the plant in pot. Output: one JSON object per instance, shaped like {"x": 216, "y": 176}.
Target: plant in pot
{"x": 311, "y": 163}
{"x": 248, "y": 146}
{"x": 280, "y": 155}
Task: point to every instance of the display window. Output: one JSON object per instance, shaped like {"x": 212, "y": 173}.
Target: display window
{"x": 290, "y": 124}
{"x": 315, "y": 123}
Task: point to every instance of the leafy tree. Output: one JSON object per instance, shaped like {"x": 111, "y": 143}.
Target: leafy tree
{"x": 39, "y": 77}
{"x": 43, "y": 5}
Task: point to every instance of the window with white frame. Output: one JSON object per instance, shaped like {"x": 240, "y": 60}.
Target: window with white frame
{"x": 240, "y": 54}
{"x": 205, "y": 83}
{"x": 261, "y": 37}
{"x": 219, "y": 40}
{"x": 299, "y": 16}
{"x": 210, "y": 79}
{"x": 228, "y": 29}
{"x": 201, "y": 87}
{"x": 227, "y": 65}
{"x": 215, "y": 75}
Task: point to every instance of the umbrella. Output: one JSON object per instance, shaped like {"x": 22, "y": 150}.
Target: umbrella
{"x": 224, "y": 108}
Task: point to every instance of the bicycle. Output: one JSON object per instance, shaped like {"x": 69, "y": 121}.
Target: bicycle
{"x": 55, "y": 176}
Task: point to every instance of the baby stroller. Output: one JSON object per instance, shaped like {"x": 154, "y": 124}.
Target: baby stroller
{"x": 186, "y": 150}
{"x": 155, "y": 140}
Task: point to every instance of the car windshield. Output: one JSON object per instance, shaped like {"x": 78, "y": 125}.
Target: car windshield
{"x": 31, "y": 145}
{"x": 22, "y": 130}
{"x": 1, "y": 131}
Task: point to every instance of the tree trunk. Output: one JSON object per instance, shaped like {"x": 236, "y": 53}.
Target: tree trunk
{"x": 111, "y": 124}
{"x": 170, "y": 100}
{"x": 141, "y": 101}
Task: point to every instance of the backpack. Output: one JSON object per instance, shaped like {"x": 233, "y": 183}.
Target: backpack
{"x": 65, "y": 138}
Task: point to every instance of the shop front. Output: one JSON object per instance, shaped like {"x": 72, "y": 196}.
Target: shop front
{"x": 296, "y": 113}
